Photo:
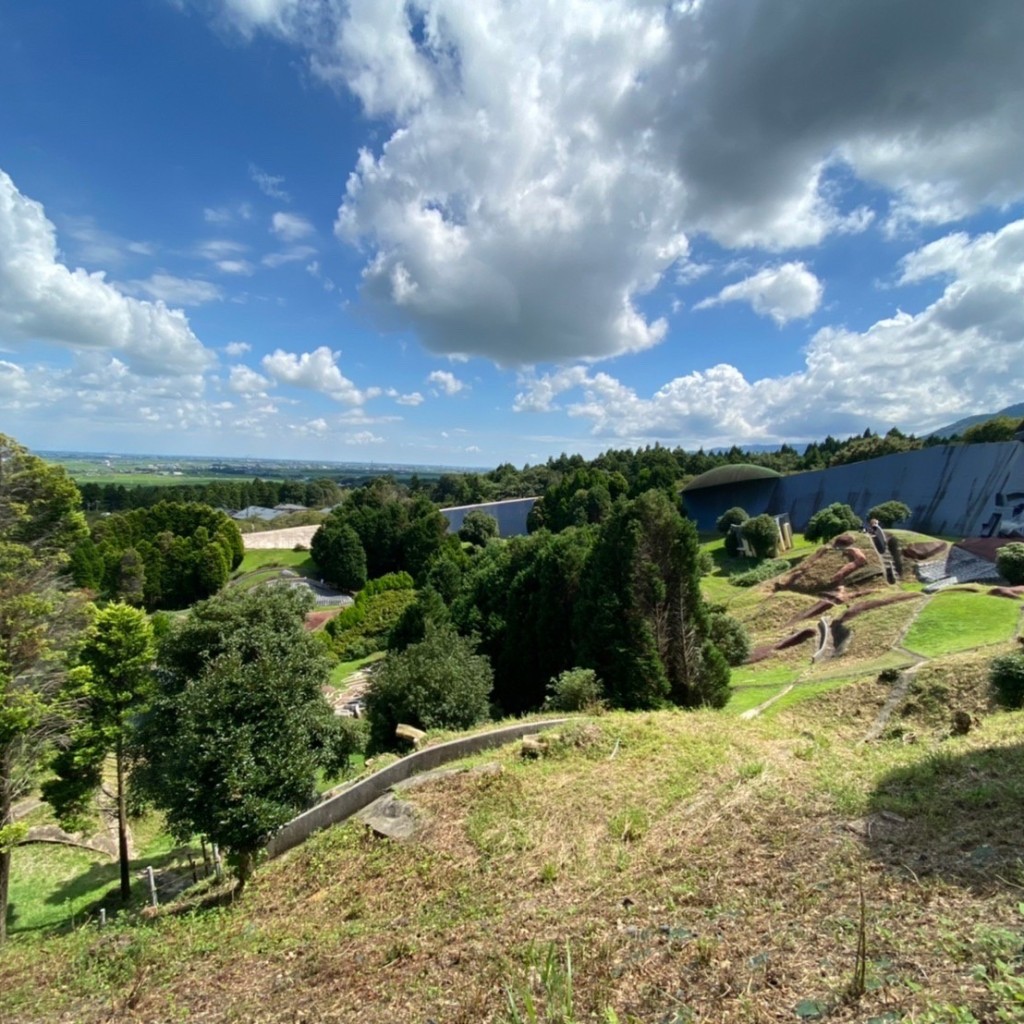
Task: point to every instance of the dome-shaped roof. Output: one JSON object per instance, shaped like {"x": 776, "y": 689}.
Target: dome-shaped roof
{"x": 733, "y": 474}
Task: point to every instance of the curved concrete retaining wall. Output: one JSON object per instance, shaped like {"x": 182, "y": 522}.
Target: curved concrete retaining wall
{"x": 358, "y": 795}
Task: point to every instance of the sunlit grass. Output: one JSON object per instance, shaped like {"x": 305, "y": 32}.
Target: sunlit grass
{"x": 959, "y": 621}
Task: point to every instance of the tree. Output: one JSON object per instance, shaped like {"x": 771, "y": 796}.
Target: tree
{"x": 113, "y": 685}
{"x": 889, "y": 513}
{"x": 440, "y": 683}
{"x": 1006, "y": 675}
{"x": 730, "y": 636}
{"x": 338, "y": 552}
{"x": 999, "y": 428}
{"x": 478, "y": 528}
{"x": 762, "y": 534}
{"x": 575, "y": 689}
{"x": 238, "y": 728}
{"x": 40, "y": 523}
{"x": 831, "y": 521}
{"x": 1010, "y": 562}
{"x": 734, "y": 516}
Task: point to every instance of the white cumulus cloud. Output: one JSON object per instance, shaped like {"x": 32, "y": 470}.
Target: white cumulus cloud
{"x": 784, "y": 293}
{"x": 315, "y": 371}
{"x": 446, "y": 382}
{"x": 962, "y": 352}
{"x": 290, "y": 227}
{"x": 43, "y": 301}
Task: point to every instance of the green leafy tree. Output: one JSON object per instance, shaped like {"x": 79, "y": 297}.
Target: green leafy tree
{"x": 111, "y": 687}
{"x": 734, "y": 516}
{"x": 730, "y": 636}
{"x": 339, "y": 553}
{"x": 889, "y": 513}
{"x": 238, "y": 728}
{"x": 999, "y": 428}
{"x": 40, "y": 524}
{"x": 1010, "y": 562}
{"x": 831, "y": 521}
{"x": 762, "y": 534}
{"x": 439, "y": 683}
{"x": 478, "y": 528}
{"x": 1006, "y": 675}
{"x": 575, "y": 689}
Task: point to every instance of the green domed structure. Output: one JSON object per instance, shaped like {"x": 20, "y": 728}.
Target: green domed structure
{"x": 707, "y": 496}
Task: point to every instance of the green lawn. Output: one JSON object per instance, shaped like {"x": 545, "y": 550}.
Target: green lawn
{"x": 299, "y": 561}
{"x": 960, "y": 621}
{"x": 342, "y": 671}
{"x": 53, "y": 885}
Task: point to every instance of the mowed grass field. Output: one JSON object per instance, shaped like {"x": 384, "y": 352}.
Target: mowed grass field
{"x": 960, "y": 620}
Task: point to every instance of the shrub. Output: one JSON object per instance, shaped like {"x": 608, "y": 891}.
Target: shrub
{"x": 762, "y": 534}
{"x": 730, "y": 637}
{"x": 705, "y": 563}
{"x": 576, "y": 689}
{"x": 762, "y": 571}
{"x": 1010, "y": 561}
{"x": 730, "y": 518}
{"x": 889, "y": 513}
{"x": 831, "y": 521}
{"x": 478, "y": 528}
{"x": 364, "y": 627}
{"x": 440, "y": 683}
{"x": 1006, "y": 674}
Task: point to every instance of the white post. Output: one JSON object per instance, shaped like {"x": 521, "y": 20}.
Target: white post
{"x": 152, "y": 886}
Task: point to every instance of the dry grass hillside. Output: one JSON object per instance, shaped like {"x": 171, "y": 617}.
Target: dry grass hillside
{"x": 841, "y": 856}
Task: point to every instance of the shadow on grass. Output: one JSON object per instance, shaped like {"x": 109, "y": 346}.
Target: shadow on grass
{"x": 955, "y": 816}
{"x": 99, "y": 887}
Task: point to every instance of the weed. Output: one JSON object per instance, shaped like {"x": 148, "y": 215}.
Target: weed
{"x": 629, "y": 825}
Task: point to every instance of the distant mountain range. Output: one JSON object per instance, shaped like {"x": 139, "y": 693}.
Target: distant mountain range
{"x": 1014, "y": 411}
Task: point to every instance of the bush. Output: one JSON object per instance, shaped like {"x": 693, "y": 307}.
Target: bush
{"x": 576, "y": 689}
{"x": 730, "y": 637}
{"x": 762, "y": 534}
{"x": 705, "y": 563}
{"x": 1006, "y": 674}
{"x": 364, "y": 627}
{"x": 763, "y": 571}
{"x": 440, "y": 683}
{"x": 730, "y": 518}
{"x": 831, "y": 521}
{"x": 1010, "y": 561}
{"x": 889, "y": 513}
{"x": 478, "y": 528}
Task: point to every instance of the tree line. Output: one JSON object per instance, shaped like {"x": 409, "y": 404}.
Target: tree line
{"x": 654, "y": 466}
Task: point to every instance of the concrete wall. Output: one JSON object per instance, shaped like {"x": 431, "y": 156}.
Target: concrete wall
{"x": 511, "y": 515}
{"x": 360, "y": 794}
{"x": 951, "y": 489}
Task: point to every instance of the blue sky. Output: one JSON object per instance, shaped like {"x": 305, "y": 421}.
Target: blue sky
{"x": 444, "y": 232}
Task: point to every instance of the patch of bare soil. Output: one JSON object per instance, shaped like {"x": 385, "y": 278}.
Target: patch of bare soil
{"x": 826, "y": 569}
{"x": 878, "y": 602}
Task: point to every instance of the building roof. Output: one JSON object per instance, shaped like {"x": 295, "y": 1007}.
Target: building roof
{"x": 734, "y": 474}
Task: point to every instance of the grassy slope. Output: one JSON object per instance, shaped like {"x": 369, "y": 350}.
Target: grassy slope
{"x": 690, "y": 866}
